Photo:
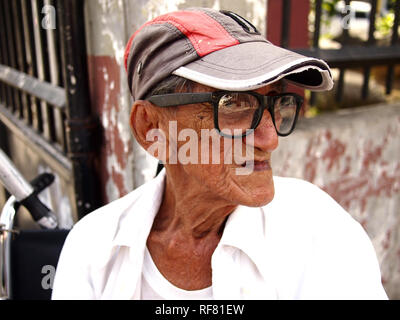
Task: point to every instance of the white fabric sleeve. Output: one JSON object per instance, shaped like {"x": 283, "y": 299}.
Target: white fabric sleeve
{"x": 344, "y": 263}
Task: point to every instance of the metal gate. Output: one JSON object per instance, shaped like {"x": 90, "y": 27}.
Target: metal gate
{"x": 44, "y": 95}
{"x": 365, "y": 55}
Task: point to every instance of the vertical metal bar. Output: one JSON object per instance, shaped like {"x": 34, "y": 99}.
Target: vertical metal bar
{"x": 370, "y": 41}
{"x": 313, "y": 98}
{"x": 394, "y": 40}
{"x": 9, "y": 56}
{"x": 54, "y": 71}
{"x": 317, "y": 23}
{"x": 58, "y": 55}
{"x": 51, "y": 47}
{"x": 4, "y": 138}
{"x": 3, "y": 47}
{"x": 340, "y": 86}
{"x": 372, "y": 18}
{"x": 64, "y": 121}
{"x": 80, "y": 124}
{"x": 34, "y": 112}
{"x": 365, "y": 86}
{"x": 12, "y": 34}
{"x": 48, "y": 131}
{"x": 58, "y": 49}
{"x": 13, "y": 55}
{"x": 15, "y": 107}
{"x": 285, "y": 23}
{"x": 3, "y": 92}
{"x": 4, "y": 145}
{"x": 315, "y": 43}
{"x": 19, "y": 43}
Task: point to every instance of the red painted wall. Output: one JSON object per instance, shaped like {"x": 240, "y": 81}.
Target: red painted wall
{"x": 298, "y": 23}
{"x": 104, "y": 85}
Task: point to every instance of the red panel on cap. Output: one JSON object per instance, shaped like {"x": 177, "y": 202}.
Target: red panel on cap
{"x": 205, "y": 33}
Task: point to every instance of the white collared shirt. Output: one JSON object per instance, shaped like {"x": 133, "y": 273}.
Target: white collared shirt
{"x": 302, "y": 245}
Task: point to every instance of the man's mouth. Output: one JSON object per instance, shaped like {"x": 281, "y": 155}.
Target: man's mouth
{"x": 257, "y": 165}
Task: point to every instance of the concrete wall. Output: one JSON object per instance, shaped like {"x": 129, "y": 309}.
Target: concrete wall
{"x": 354, "y": 155}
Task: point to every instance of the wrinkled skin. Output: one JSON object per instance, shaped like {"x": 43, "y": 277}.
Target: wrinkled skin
{"x": 198, "y": 198}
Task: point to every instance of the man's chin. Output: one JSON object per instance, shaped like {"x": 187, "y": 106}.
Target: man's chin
{"x": 258, "y": 198}
{"x": 259, "y": 201}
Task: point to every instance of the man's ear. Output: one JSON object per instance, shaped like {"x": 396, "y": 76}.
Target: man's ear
{"x": 143, "y": 118}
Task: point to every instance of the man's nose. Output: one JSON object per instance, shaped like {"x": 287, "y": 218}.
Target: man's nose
{"x": 265, "y": 135}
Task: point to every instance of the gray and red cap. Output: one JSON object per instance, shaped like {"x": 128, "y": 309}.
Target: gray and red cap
{"x": 219, "y": 49}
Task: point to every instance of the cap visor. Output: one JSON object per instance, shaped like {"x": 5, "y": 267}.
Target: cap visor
{"x": 252, "y": 65}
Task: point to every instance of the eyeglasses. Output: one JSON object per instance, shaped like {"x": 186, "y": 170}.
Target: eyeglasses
{"x": 240, "y": 112}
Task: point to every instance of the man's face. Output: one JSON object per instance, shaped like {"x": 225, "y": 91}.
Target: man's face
{"x": 218, "y": 164}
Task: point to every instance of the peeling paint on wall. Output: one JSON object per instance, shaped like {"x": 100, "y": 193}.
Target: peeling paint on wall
{"x": 115, "y": 159}
{"x": 110, "y": 95}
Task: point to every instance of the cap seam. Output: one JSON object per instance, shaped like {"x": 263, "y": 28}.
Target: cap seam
{"x": 220, "y": 23}
{"x": 133, "y": 38}
{"x": 171, "y": 66}
{"x": 188, "y": 49}
{"x": 214, "y": 16}
{"x": 161, "y": 23}
{"x": 195, "y": 46}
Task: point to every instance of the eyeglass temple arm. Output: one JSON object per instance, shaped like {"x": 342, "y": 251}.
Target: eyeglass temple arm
{"x": 177, "y": 99}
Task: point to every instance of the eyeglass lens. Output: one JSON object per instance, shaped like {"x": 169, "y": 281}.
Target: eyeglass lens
{"x": 285, "y": 113}
{"x": 238, "y": 112}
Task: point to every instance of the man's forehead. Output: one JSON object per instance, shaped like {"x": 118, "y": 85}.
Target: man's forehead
{"x": 279, "y": 85}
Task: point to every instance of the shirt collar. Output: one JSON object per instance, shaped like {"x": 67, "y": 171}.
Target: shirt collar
{"x": 137, "y": 219}
{"x": 245, "y": 230}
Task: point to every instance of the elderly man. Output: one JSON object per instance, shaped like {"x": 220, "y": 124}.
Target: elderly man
{"x": 219, "y": 225}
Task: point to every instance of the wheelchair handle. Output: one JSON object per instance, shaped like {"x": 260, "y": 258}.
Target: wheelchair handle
{"x": 25, "y": 194}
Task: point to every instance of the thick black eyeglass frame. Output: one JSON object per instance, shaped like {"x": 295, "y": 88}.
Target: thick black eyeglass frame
{"x": 265, "y": 102}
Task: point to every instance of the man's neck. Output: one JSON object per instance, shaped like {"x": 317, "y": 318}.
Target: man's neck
{"x": 191, "y": 210}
